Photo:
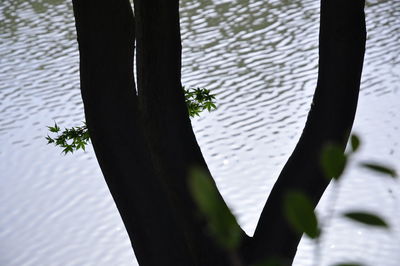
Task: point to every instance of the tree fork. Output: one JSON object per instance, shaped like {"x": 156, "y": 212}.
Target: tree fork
{"x": 145, "y": 144}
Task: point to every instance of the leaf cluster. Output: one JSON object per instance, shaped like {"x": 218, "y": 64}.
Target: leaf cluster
{"x": 198, "y": 100}
{"x": 70, "y": 139}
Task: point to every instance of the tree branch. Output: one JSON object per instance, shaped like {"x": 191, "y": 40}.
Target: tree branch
{"x": 341, "y": 55}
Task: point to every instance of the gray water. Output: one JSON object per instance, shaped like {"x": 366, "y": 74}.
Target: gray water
{"x": 260, "y": 58}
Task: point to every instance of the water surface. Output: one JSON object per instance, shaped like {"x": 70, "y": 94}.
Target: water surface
{"x": 260, "y": 58}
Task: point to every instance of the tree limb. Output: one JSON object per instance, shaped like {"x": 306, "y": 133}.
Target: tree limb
{"x": 341, "y": 54}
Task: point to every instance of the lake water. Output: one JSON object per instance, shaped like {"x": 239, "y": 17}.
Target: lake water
{"x": 260, "y": 58}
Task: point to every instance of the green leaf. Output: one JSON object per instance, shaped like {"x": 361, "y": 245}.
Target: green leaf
{"x": 80, "y": 145}
{"x": 300, "y": 213}
{"x": 221, "y": 221}
{"x": 379, "y": 168}
{"x": 60, "y": 141}
{"x": 209, "y": 106}
{"x": 67, "y": 149}
{"x": 54, "y": 129}
{"x": 366, "y": 218}
{"x": 333, "y": 161}
{"x": 355, "y": 142}
{"x": 49, "y": 139}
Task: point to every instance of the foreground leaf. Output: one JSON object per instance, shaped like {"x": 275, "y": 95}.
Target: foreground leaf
{"x": 379, "y": 168}
{"x": 355, "y": 142}
{"x": 333, "y": 161}
{"x": 300, "y": 214}
{"x": 222, "y": 223}
{"x": 366, "y": 218}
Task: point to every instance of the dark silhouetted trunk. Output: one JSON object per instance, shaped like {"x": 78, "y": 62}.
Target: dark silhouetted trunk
{"x": 341, "y": 54}
{"x": 169, "y": 133}
{"x": 143, "y": 138}
{"x": 106, "y": 44}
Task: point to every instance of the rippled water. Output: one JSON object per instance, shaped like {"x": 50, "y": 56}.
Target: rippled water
{"x": 260, "y": 57}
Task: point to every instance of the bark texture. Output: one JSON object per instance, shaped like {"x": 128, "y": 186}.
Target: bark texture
{"x": 143, "y": 138}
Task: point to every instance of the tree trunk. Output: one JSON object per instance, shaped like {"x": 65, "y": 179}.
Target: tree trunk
{"x": 145, "y": 144}
{"x": 106, "y": 43}
{"x": 166, "y": 121}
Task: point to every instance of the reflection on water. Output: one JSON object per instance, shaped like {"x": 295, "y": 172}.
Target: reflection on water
{"x": 260, "y": 57}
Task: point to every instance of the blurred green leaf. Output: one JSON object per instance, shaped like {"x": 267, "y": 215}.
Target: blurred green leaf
{"x": 222, "y": 223}
{"x": 366, "y": 218}
{"x": 379, "y": 168}
{"x": 300, "y": 213}
{"x": 355, "y": 142}
{"x": 333, "y": 161}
